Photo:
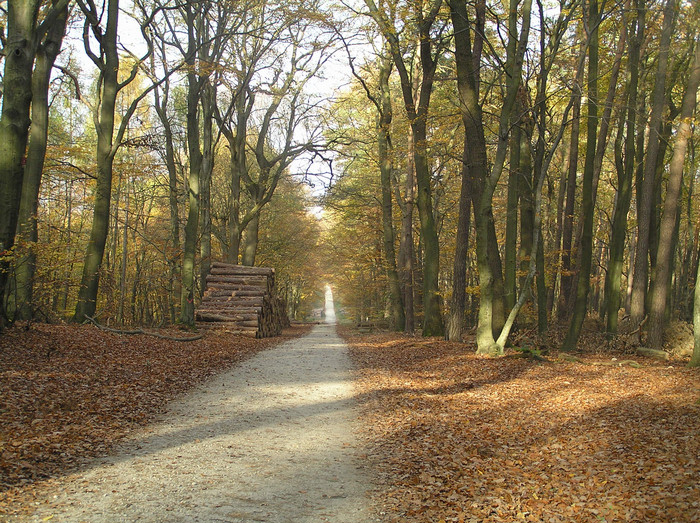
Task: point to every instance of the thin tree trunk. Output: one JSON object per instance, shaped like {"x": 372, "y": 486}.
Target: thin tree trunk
{"x": 386, "y": 168}
{"x": 695, "y": 359}
{"x": 250, "y": 245}
{"x": 511, "y": 242}
{"x": 208, "y": 100}
{"x": 625, "y": 177}
{"x": 584, "y": 274}
{"x": 568, "y": 222}
{"x": 187, "y": 290}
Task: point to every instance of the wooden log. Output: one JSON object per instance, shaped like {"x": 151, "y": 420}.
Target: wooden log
{"x": 231, "y": 314}
{"x": 223, "y": 328}
{"x": 233, "y": 287}
{"x": 245, "y": 301}
{"x": 261, "y": 281}
{"x": 228, "y": 293}
{"x": 227, "y": 268}
{"x": 227, "y": 308}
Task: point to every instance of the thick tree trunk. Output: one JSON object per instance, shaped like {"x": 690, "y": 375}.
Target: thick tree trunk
{"x": 671, "y": 202}
{"x": 19, "y": 50}
{"x": 36, "y": 152}
{"x": 644, "y": 205}
{"x": 473, "y": 157}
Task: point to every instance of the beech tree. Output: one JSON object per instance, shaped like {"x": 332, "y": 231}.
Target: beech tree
{"x": 417, "y": 105}
{"x": 107, "y": 60}
{"x": 24, "y": 34}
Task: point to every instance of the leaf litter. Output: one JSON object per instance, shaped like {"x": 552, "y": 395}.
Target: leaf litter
{"x": 456, "y": 437}
{"x": 69, "y": 393}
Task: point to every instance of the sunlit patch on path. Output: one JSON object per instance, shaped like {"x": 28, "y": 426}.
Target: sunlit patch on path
{"x": 271, "y": 440}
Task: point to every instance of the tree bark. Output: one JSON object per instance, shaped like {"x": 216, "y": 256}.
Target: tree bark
{"x": 474, "y": 149}
{"x": 386, "y": 168}
{"x": 104, "y": 122}
{"x": 488, "y": 273}
{"x": 417, "y": 114}
{"x": 668, "y": 222}
{"x": 569, "y": 208}
{"x": 25, "y": 266}
{"x": 625, "y": 178}
{"x": 583, "y": 283}
{"x": 19, "y": 51}
{"x": 644, "y": 205}
{"x": 194, "y": 84}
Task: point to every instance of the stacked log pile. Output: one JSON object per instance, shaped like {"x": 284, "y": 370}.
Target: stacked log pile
{"x": 242, "y": 300}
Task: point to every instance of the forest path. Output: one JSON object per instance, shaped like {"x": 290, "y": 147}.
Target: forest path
{"x": 270, "y": 440}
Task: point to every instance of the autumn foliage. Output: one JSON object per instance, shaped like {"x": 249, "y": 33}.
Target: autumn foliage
{"x": 458, "y": 437}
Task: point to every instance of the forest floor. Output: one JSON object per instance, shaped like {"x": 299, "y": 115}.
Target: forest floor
{"x": 69, "y": 393}
{"x": 448, "y": 435}
{"x": 454, "y": 437}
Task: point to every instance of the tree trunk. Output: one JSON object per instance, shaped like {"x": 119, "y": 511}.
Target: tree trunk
{"x": 87, "y": 294}
{"x": 644, "y": 205}
{"x": 568, "y": 225}
{"x": 671, "y": 202}
{"x": 473, "y": 157}
{"x": 695, "y": 359}
{"x": 489, "y": 273}
{"x": 386, "y": 168}
{"x": 511, "y": 242}
{"x": 19, "y": 51}
{"x": 208, "y": 99}
{"x": 194, "y": 84}
{"x": 27, "y": 227}
{"x": 625, "y": 177}
{"x": 417, "y": 113}
{"x": 250, "y": 246}
{"x": 584, "y": 274}
{"x": 406, "y": 254}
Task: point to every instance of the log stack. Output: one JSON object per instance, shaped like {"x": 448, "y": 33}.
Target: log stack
{"x": 242, "y": 300}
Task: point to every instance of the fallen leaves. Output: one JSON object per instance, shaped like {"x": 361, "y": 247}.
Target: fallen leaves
{"x": 455, "y": 437}
{"x": 71, "y": 392}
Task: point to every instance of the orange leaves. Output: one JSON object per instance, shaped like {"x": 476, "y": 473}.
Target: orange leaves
{"x": 456, "y": 437}
{"x": 70, "y": 392}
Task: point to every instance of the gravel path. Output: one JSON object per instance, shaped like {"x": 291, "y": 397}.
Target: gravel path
{"x": 271, "y": 440}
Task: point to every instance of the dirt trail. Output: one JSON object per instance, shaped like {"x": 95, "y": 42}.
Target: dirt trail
{"x": 271, "y": 440}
